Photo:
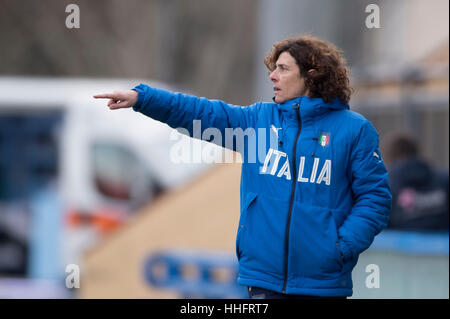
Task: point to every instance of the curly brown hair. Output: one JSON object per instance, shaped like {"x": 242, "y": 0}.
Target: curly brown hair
{"x": 328, "y": 75}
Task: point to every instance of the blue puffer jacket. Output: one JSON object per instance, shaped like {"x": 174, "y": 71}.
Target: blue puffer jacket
{"x": 312, "y": 204}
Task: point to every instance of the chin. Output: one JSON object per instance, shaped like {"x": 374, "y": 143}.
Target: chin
{"x": 276, "y": 99}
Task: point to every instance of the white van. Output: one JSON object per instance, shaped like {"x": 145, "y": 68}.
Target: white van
{"x": 67, "y": 155}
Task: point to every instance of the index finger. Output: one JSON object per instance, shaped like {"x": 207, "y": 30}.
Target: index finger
{"x": 105, "y": 96}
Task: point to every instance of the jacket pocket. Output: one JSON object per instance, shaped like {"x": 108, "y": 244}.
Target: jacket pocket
{"x": 260, "y": 242}
{"x": 339, "y": 255}
{"x": 250, "y": 199}
{"x": 314, "y": 237}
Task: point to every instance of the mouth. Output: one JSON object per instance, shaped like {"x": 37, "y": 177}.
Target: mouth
{"x": 276, "y": 89}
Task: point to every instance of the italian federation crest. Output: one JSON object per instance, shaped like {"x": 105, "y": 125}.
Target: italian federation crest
{"x": 324, "y": 139}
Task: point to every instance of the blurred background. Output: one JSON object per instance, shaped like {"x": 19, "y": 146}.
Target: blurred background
{"x": 81, "y": 185}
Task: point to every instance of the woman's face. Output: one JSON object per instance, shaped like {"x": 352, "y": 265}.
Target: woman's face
{"x": 288, "y": 83}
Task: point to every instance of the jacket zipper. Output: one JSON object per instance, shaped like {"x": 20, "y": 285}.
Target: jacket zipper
{"x": 291, "y": 203}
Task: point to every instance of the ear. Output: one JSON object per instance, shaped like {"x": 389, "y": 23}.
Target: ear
{"x": 312, "y": 71}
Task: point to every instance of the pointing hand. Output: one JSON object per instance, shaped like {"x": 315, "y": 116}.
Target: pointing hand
{"x": 119, "y": 99}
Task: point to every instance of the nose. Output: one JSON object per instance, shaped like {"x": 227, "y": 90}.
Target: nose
{"x": 273, "y": 76}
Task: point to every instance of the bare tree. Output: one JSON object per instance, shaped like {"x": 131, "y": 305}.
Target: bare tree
{"x": 206, "y": 46}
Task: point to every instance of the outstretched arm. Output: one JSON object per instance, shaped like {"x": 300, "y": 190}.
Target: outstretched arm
{"x": 181, "y": 110}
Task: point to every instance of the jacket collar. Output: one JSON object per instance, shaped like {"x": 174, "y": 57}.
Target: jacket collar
{"x": 310, "y": 107}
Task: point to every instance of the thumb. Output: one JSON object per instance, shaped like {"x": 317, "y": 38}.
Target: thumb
{"x": 118, "y": 105}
